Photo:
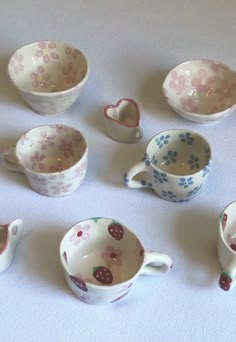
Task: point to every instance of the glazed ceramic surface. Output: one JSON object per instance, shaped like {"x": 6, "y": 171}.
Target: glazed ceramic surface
{"x": 201, "y": 90}
{"x": 227, "y": 247}
{"x": 49, "y": 75}
{"x": 176, "y": 165}
{"x": 122, "y": 121}
{"x": 102, "y": 258}
{"x": 54, "y": 159}
{"x": 10, "y": 235}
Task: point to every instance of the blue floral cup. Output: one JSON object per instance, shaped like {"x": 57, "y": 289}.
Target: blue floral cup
{"x": 175, "y": 165}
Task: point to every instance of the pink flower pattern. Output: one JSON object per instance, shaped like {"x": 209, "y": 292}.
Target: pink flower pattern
{"x": 225, "y": 90}
{"x": 81, "y": 233}
{"x": 177, "y": 82}
{"x": 189, "y": 105}
{"x": 46, "y": 141}
{"x": 72, "y": 52}
{"x": 60, "y": 188}
{"x": 215, "y": 66}
{"x": 16, "y": 63}
{"x": 40, "y": 78}
{"x": 112, "y": 256}
{"x": 36, "y": 161}
{"x": 67, "y": 148}
{"x": 47, "y": 51}
{"x": 203, "y": 83}
{"x": 71, "y": 73}
{"x": 79, "y": 170}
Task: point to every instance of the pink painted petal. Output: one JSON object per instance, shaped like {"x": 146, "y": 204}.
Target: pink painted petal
{"x": 33, "y": 76}
{"x": 40, "y": 70}
{"x": 202, "y": 74}
{"x": 42, "y": 45}
{"x": 52, "y": 45}
{"x": 46, "y": 59}
{"x": 87, "y": 227}
{"x": 181, "y": 79}
{"x": 110, "y": 249}
{"x": 174, "y": 75}
{"x": 21, "y": 67}
{"x": 68, "y": 50}
{"x": 54, "y": 55}
{"x": 39, "y": 53}
{"x": 46, "y": 76}
{"x": 196, "y": 82}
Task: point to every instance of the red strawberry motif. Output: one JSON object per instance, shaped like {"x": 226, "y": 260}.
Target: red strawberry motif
{"x": 103, "y": 275}
{"x": 233, "y": 246}
{"x": 79, "y": 283}
{"x": 225, "y": 281}
{"x": 224, "y": 220}
{"x": 116, "y": 230}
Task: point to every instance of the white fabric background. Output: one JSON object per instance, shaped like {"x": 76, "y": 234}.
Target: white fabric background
{"x": 131, "y": 45}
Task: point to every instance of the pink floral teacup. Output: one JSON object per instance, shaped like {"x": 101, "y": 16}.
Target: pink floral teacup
{"x": 102, "y": 258}
{"x": 53, "y": 158}
{"x": 201, "y": 90}
{"x": 49, "y": 75}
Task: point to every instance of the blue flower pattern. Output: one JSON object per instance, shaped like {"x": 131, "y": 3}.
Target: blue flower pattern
{"x": 168, "y": 194}
{"x": 162, "y": 140}
{"x": 185, "y": 182}
{"x": 193, "y": 162}
{"x": 126, "y": 179}
{"x": 194, "y": 191}
{"x": 145, "y": 183}
{"x": 149, "y": 161}
{"x": 186, "y": 138}
{"x": 206, "y": 169}
{"x": 170, "y": 157}
{"x": 160, "y": 177}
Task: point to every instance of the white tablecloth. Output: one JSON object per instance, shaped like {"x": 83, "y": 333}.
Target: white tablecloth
{"x": 131, "y": 45}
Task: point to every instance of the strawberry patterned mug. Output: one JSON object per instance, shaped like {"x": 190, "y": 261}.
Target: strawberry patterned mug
{"x": 53, "y": 158}
{"x": 226, "y": 247}
{"x": 102, "y": 258}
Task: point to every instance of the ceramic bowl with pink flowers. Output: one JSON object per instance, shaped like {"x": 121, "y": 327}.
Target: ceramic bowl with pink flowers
{"x": 201, "y": 90}
{"x": 49, "y": 75}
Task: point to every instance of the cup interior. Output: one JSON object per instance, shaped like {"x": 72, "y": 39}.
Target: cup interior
{"x": 101, "y": 251}
{"x": 228, "y": 226}
{"x": 51, "y": 148}
{"x": 47, "y": 67}
{"x": 179, "y": 152}
{"x": 201, "y": 86}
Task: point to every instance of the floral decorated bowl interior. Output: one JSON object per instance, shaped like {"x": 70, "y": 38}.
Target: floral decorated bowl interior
{"x": 51, "y": 148}
{"x": 201, "y": 89}
{"x": 179, "y": 152}
{"x": 47, "y": 67}
{"x": 102, "y": 252}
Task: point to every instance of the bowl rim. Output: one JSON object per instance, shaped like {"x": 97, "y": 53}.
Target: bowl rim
{"x": 54, "y": 93}
{"x": 98, "y": 286}
{"x": 38, "y": 173}
{"x": 197, "y": 115}
{"x": 186, "y": 130}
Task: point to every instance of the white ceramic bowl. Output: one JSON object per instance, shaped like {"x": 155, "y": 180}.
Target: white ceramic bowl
{"x": 201, "y": 90}
{"x": 49, "y": 75}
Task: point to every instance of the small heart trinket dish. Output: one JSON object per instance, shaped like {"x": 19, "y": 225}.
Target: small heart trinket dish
{"x": 201, "y": 90}
{"x": 122, "y": 121}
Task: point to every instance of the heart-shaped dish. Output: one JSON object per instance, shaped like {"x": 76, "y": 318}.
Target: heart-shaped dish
{"x": 122, "y": 121}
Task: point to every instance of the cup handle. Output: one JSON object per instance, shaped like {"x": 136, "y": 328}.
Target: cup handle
{"x": 10, "y": 161}
{"x": 139, "y": 134}
{"x": 155, "y": 263}
{"x": 16, "y": 229}
{"x": 227, "y": 278}
{"x": 135, "y": 170}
